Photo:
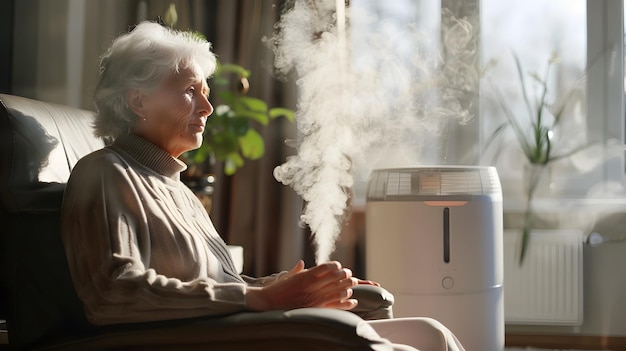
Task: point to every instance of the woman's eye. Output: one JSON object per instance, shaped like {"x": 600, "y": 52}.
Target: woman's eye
{"x": 191, "y": 91}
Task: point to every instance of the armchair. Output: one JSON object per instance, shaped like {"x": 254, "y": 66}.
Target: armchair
{"x": 40, "y": 143}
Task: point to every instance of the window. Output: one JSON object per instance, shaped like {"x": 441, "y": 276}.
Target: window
{"x": 587, "y": 36}
{"x": 534, "y": 32}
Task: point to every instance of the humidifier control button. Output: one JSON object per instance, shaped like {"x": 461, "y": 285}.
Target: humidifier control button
{"x": 447, "y": 283}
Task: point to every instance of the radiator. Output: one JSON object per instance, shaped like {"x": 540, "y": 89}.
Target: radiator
{"x": 547, "y": 289}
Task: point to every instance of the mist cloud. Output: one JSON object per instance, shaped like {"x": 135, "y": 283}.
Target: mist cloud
{"x": 352, "y": 108}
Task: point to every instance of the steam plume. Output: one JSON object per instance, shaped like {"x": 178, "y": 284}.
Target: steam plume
{"x": 351, "y": 107}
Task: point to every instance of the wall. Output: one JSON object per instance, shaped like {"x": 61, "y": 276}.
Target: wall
{"x": 57, "y": 44}
{"x": 40, "y": 50}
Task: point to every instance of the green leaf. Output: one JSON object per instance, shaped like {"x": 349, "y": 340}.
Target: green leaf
{"x": 252, "y": 104}
{"x": 562, "y": 103}
{"x": 259, "y": 117}
{"x": 573, "y": 151}
{"x": 201, "y": 153}
{"x": 252, "y": 145}
{"x": 223, "y": 144}
{"x": 282, "y": 112}
{"x": 517, "y": 128}
{"x": 228, "y": 97}
{"x": 221, "y": 81}
{"x": 232, "y": 162}
{"x": 525, "y": 239}
{"x": 233, "y": 68}
{"x": 520, "y": 74}
{"x": 492, "y": 138}
{"x": 239, "y": 125}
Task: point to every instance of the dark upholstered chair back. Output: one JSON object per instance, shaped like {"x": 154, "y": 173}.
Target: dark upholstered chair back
{"x": 40, "y": 143}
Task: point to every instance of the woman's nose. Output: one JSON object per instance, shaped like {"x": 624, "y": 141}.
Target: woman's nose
{"x": 205, "y": 108}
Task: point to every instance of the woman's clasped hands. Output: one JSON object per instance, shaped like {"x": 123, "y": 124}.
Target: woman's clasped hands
{"x": 326, "y": 285}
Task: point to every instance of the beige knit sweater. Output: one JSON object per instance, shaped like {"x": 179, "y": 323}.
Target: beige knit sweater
{"x": 140, "y": 245}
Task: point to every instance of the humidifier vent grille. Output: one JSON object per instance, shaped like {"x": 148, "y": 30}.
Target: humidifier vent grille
{"x": 408, "y": 184}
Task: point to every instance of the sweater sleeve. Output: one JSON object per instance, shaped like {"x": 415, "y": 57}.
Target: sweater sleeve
{"x": 107, "y": 238}
{"x": 262, "y": 281}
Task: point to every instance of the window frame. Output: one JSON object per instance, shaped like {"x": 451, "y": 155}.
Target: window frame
{"x": 605, "y": 79}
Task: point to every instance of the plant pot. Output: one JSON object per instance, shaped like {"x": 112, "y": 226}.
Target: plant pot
{"x": 537, "y": 180}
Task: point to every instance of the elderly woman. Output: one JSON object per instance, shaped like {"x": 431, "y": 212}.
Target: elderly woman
{"x": 140, "y": 245}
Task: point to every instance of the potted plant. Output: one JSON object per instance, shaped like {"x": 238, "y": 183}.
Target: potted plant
{"x": 536, "y": 140}
{"x": 230, "y": 135}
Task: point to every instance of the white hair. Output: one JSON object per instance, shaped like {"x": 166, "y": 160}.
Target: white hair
{"x": 140, "y": 59}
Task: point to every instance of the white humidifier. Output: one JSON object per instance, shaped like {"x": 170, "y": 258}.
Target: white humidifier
{"x": 434, "y": 239}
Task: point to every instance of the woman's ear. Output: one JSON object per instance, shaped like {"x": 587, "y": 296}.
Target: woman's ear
{"x": 135, "y": 102}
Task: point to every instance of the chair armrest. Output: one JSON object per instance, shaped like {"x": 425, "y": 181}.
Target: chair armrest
{"x": 301, "y": 329}
{"x": 375, "y": 302}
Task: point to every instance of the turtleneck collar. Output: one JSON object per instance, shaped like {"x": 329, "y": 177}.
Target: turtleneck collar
{"x": 151, "y": 155}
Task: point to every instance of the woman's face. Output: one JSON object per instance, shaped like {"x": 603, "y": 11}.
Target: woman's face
{"x": 173, "y": 116}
